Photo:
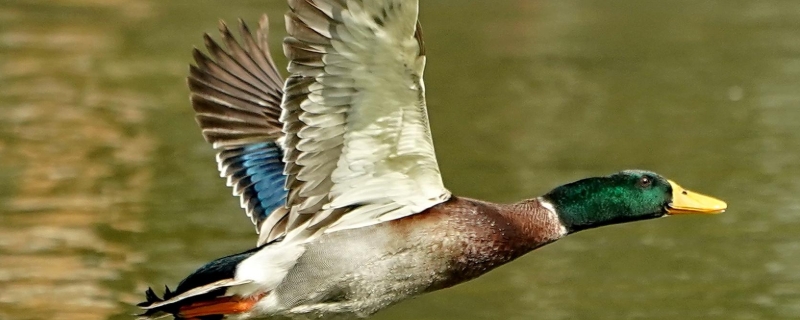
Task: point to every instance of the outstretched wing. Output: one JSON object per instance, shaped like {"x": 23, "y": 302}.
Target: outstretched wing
{"x": 237, "y": 96}
{"x": 358, "y": 147}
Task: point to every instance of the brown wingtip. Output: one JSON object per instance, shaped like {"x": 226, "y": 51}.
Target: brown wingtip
{"x": 208, "y": 41}
{"x": 200, "y": 58}
{"x": 223, "y": 28}
{"x": 263, "y": 22}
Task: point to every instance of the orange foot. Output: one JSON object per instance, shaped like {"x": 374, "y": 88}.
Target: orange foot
{"x": 217, "y": 306}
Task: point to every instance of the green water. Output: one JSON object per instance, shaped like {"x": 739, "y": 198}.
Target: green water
{"x": 106, "y": 186}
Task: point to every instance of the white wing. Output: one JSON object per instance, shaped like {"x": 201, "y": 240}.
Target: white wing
{"x": 358, "y": 147}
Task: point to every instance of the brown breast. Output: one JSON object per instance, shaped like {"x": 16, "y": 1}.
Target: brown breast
{"x": 471, "y": 237}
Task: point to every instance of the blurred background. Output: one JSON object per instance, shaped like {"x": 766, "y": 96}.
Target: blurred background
{"x": 106, "y": 186}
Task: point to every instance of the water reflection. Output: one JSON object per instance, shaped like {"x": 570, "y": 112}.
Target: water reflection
{"x": 75, "y": 157}
{"x": 106, "y": 186}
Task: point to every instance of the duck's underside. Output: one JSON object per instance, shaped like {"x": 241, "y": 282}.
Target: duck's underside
{"x": 352, "y": 273}
{"x": 347, "y": 273}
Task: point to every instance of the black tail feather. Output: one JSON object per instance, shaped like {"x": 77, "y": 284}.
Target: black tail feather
{"x": 173, "y": 309}
{"x": 167, "y": 293}
{"x": 151, "y": 298}
{"x": 222, "y": 268}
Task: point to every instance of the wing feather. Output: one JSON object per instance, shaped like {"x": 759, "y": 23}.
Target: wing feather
{"x": 236, "y": 94}
{"x": 357, "y": 146}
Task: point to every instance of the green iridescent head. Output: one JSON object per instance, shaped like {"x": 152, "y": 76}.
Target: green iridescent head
{"x": 623, "y": 197}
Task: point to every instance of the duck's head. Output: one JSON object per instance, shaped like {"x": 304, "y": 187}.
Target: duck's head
{"x": 623, "y": 197}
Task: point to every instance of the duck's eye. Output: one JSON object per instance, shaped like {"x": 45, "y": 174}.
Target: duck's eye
{"x": 644, "y": 182}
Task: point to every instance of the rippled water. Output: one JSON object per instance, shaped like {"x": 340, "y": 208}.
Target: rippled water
{"x": 106, "y": 186}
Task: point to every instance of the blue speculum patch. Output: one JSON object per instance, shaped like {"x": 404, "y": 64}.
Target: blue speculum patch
{"x": 263, "y": 165}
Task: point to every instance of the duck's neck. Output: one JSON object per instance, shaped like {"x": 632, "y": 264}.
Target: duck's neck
{"x": 512, "y": 230}
{"x": 482, "y": 236}
{"x": 535, "y": 221}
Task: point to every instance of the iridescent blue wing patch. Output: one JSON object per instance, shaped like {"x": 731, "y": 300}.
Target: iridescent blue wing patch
{"x": 255, "y": 172}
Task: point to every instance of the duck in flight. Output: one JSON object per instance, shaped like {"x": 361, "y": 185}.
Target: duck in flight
{"x": 336, "y": 168}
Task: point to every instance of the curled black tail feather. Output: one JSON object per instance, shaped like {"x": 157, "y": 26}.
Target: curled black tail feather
{"x": 167, "y": 293}
{"x": 151, "y": 298}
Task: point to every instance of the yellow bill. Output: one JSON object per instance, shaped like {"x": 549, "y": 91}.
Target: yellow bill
{"x": 687, "y": 202}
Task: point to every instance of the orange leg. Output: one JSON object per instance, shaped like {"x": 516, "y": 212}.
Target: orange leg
{"x": 222, "y": 305}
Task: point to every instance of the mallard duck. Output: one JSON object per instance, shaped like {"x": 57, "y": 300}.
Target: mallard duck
{"x": 336, "y": 168}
